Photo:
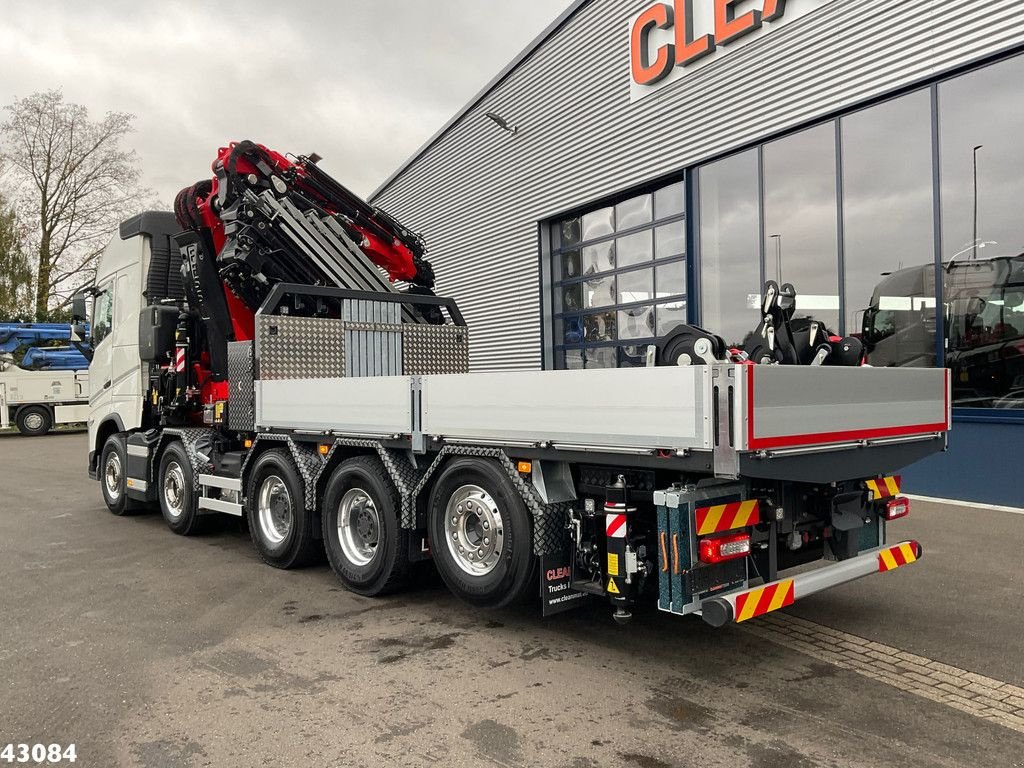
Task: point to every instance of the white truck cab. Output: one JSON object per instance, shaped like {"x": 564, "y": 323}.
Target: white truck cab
{"x": 134, "y": 268}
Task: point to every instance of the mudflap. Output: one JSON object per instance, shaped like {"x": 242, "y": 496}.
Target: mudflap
{"x": 556, "y": 590}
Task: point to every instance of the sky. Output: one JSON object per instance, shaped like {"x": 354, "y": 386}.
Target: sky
{"x": 364, "y": 83}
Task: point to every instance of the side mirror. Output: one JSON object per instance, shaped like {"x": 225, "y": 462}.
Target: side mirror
{"x": 79, "y": 310}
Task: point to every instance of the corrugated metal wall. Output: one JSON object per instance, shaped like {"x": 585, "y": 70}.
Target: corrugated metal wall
{"x": 477, "y": 193}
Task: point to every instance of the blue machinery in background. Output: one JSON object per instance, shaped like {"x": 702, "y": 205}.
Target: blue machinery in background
{"x": 40, "y": 343}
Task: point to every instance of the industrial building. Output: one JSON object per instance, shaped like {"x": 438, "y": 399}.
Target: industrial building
{"x": 644, "y": 164}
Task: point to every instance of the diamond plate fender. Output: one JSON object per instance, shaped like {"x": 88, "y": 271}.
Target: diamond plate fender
{"x": 549, "y": 520}
{"x": 190, "y": 437}
{"x": 306, "y": 459}
{"x": 403, "y": 472}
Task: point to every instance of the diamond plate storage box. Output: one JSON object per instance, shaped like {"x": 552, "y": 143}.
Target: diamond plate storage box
{"x": 430, "y": 349}
{"x": 241, "y": 396}
{"x": 369, "y": 340}
{"x": 300, "y": 347}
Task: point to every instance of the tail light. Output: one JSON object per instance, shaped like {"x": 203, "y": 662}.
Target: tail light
{"x": 897, "y": 507}
{"x": 724, "y": 548}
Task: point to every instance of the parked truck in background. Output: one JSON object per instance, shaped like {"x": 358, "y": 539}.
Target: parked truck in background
{"x": 250, "y": 359}
{"x": 43, "y": 381}
{"x": 982, "y": 311}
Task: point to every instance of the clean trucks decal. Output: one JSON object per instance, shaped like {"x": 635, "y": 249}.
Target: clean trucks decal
{"x": 667, "y": 41}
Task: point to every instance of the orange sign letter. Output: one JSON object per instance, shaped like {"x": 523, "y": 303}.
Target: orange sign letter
{"x": 728, "y": 27}
{"x": 689, "y": 50}
{"x": 645, "y": 72}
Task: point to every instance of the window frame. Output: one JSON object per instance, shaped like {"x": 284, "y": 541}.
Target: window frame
{"x": 555, "y": 347}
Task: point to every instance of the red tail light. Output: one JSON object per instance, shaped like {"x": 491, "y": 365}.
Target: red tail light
{"x": 724, "y": 548}
{"x": 897, "y": 507}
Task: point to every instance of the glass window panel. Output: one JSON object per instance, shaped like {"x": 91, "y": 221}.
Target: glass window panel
{"x": 670, "y": 279}
{"x": 103, "y": 313}
{"x": 669, "y": 315}
{"x": 636, "y": 323}
{"x": 729, "y": 242}
{"x": 985, "y": 326}
{"x": 598, "y": 223}
{"x": 887, "y": 222}
{"x": 602, "y": 357}
{"x": 633, "y": 213}
{"x": 983, "y": 109}
{"x": 634, "y": 249}
{"x": 670, "y": 240}
{"x": 569, "y": 330}
{"x": 801, "y": 238}
{"x": 599, "y": 327}
{"x": 637, "y": 285}
{"x": 599, "y": 292}
{"x": 569, "y": 297}
{"x": 568, "y": 233}
{"x": 572, "y": 359}
{"x": 981, "y": 115}
{"x": 670, "y": 201}
{"x": 633, "y": 356}
{"x": 570, "y": 265}
{"x": 599, "y": 258}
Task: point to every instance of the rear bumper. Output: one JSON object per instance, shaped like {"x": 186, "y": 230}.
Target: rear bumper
{"x": 744, "y": 605}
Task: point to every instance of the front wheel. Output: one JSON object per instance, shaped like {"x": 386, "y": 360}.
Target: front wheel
{"x": 113, "y": 476}
{"x": 366, "y": 546}
{"x": 481, "y": 535}
{"x": 280, "y": 526}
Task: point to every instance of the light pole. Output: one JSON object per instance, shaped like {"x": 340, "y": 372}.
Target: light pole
{"x": 974, "y": 254}
{"x": 778, "y": 256}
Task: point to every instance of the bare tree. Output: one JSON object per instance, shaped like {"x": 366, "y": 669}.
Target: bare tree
{"x": 15, "y": 269}
{"x": 74, "y": 181}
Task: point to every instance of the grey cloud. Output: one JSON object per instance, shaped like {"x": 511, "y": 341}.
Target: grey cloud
{"x": 362, "y": 83}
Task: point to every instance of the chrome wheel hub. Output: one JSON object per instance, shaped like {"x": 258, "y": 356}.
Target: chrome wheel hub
{"x": 112, "y": 476}
{"x": 474, "y": 531}
{"x": 34, "y": 421}
{"x": 274, "y": 505}
{"x": 358, "y": 526}
{"x": 174, "y": 489}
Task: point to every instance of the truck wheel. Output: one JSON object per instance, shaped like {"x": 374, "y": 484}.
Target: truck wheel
{"x": 366, "y": 546}
{"x": 480, "y": 534}
{"x": 34, "y": 421}
{"x": 178, "y": 501}
{"x": 280, "y": 526}
{"x": 113, "y": 476}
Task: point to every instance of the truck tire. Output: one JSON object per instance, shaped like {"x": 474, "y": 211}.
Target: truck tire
{"x": 481, "y": 535}
{"x": 366, "y": 546}
{"x": 176, "y": 492}
{"x": 113, "y": 474}
{"x": 34, "y": 420}
{"x": 279, "y": 524}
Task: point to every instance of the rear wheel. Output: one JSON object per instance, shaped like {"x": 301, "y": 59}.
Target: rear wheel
{"x": 365, "y": 543}
{"x": 480, "y": 534}
{"x": 280, "y": 526}
{"x": 34, "y": 421}
{"x": 178, "y": 501}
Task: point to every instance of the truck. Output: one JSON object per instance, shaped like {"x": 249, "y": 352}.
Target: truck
{"x": 982, "y": 333}
{"x": 41, "y": 385}
{"x": 274, "y": 350}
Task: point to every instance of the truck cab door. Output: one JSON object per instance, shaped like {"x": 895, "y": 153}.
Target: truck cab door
{"x": 101, "y": 368}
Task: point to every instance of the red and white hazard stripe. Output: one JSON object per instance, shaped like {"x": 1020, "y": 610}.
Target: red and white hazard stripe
{"x": 615, "y": 526}
{"x": 179, "y": 360}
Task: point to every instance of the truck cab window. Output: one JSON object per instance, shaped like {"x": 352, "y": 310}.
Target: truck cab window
{"x": 103, "y": 316}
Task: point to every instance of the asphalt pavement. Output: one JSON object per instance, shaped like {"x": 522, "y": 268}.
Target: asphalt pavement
{"x": 148, "y": 649}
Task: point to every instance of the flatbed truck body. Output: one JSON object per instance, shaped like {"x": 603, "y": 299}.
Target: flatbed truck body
{"x": 338, "y": 417}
